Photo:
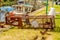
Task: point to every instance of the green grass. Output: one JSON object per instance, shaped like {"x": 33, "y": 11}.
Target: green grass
{"x": 19, "y": 34}
{"x": 57, "y": 9}
{"x": 56, "y": 32}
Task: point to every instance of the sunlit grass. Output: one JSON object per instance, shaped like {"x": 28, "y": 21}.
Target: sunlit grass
{"x": 29, "y": 34}
{"x": 55, "y": 33}
{"x": 19, "y": 34}
{"x": 57, "y": 9}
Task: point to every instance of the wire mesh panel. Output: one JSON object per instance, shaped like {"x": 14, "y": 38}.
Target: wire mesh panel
{"x": 15, "y": 21}
{"x": 43, "y": 21}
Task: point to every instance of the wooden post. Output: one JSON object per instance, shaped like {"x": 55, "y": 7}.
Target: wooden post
{"x": 20, "y": 22}
{"x": 6, "y": 20}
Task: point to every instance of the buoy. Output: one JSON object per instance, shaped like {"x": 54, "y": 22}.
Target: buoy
{"x": 52, "y": 12}
{"x": 11, "y": 14}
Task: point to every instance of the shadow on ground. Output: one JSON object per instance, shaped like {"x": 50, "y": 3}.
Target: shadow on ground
{"x": 56, "y": 29}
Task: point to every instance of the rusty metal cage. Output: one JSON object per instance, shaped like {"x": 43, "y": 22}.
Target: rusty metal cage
{"x": 43, "y": 21}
